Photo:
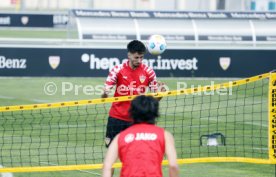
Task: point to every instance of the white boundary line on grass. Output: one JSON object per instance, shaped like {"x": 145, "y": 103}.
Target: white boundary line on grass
{"x": 85, "y": 171}
{"x": 40, "y": 101}
{"x": 5, "y": 174}
{"x": 33, "y": 100}
{"x": 7, "y": 97}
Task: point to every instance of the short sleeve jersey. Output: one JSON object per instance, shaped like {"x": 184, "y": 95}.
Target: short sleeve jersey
{"x": 128, "y": 81}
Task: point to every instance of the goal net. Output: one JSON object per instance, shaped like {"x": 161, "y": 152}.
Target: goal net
{"x": 229, "y": 122}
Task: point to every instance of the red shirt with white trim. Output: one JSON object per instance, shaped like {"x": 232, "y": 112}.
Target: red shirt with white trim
{"x": 128, "y": 81}
{"x": 141, "y": 150}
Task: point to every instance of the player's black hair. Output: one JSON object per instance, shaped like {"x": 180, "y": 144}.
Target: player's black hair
{"x": 144, "y": 109}
{"x": 136, "y": 46}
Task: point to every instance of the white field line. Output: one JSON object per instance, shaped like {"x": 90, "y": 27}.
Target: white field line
{"x": 40, "y": 101}
{"x": 5, "y": 174}
{"x": 7, "y": 97}
{"x": 85, "y": 171}
{"x": 215, "y": 119}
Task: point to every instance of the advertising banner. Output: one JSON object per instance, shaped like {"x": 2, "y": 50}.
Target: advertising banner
{"x": 33, "y": 20}
{"x": 88, "y": 62}
{"x": 172, "y": 14}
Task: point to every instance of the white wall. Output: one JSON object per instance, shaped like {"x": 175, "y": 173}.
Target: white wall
{"x": 189, "y": 5}
{"x": 236, "y": 5}
{"x": 133, "y": 4}
{"x": 6, "y": 3}
{"x": 196, "y": 5}
{"x": 113, "y": 4}
{"x": 144, "y": 5}
{"x": 48, "y": 4}
{"x": 164, "y": 4}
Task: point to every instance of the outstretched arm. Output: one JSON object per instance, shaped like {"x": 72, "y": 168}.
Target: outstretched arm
{"x": 156, "y": 86}
{"x": 111, "y": 80}
{"x": 171, "y": 155}
{"x": 105, "y": 94}
{"x": 162, "y": 88}
{"x": 110, "y": 158}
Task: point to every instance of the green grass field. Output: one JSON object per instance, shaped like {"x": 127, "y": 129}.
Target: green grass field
{"x": 34, "y": 33}
{"x": 245, "y": 127}
{"x": 241, "y": 117}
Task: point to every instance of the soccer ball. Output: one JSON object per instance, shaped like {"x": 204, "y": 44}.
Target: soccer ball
{"x": 156, "y": 44}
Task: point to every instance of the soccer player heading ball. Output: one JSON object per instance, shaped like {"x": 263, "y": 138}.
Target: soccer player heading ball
{"x": 131, "y": 78}
{"x": 141, "y": 147}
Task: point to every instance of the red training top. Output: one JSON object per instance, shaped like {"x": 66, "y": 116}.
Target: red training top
{"x": 128, "y": 82}
{"x": 141, "y": 150}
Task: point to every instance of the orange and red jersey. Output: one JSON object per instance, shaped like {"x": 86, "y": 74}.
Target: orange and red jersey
{"x": 128, "y": 81}
{"x": 141, "y": 150}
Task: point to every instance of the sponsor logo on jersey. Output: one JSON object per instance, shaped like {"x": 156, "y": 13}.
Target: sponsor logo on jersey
{"x": 129, "y": 138}
{"x": 140, "y": 137}
{"x": 146, "y": 136}
{"x": 142, "y": 78}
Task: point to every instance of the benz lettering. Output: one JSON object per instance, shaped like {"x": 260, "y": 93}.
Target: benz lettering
{"x": 12, "y": 63}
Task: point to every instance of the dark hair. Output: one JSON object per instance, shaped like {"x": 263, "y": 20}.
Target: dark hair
{"x": 136, "y": 46}
{"x": 144, "y": 109}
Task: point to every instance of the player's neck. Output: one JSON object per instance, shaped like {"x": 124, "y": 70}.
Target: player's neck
{"x": 132, "y": 66}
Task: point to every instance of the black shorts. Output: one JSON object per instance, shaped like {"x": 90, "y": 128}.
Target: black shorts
{"x": 114, "y": 127}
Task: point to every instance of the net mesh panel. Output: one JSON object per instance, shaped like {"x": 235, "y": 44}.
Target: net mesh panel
{"x": 58, "y": 136}
{"x": 241, "y": 117}
{"x": 75, "y": 135}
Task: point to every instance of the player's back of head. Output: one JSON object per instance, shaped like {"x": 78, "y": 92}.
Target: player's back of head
{"x": 144, "y": 109}
{"x": 136, "y": 46}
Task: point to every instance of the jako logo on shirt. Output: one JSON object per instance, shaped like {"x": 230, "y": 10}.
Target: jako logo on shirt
{"x": 129, "y": 138}
{"x": 146, "y": 136}
{"x": 140, "y": 137}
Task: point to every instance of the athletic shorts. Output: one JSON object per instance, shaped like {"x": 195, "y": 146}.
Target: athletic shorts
{"x": 114, "y": 127}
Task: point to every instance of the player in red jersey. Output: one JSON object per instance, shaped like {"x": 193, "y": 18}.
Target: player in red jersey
{"x": 131, "y": 78}
{"x": 141, "y": 147}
